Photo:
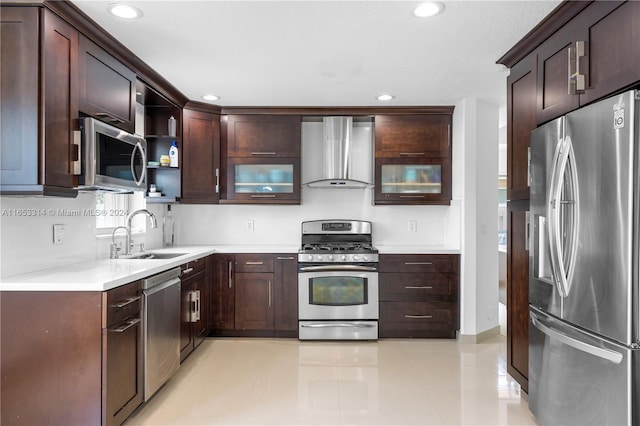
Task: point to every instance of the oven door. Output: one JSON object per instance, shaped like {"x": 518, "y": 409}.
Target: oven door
{"x": 338, "y": 293}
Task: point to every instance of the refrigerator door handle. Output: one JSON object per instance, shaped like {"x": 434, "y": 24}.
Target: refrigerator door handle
{"x": 606, "y": 354}
{"x": 563, "y": 253}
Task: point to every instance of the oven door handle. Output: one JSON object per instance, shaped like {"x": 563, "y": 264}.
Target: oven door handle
{"x": 334, "y": 267}
{"x": 337, "y": 324}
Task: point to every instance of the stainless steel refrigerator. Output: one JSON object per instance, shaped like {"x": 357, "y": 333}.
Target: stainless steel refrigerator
{"x": 584, "y": 320}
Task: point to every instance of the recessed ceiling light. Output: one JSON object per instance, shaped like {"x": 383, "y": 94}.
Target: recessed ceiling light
{"x": 385, "y": 97}
{"x": 430, "y": 8}
{"x": 125, "y": 11}
{"x": 211, "y": 97}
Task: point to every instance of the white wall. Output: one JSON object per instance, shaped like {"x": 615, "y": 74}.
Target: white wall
{"x": 476, "y": 130}
{"x": 26, "y": 233}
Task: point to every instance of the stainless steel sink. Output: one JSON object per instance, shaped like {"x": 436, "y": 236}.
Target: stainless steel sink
{"x": 153, "y": 255}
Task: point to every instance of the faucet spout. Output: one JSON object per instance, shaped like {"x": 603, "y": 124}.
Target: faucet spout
{"x": 154, "y": 224}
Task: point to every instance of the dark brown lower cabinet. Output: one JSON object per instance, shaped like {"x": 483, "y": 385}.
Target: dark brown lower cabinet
{"x": 70, "y": 358}
{"x": 518, "y": 293}
{"x": 419, "y": 296}
{"x": 195, "y": 293}
{"x": 255, "y": 294}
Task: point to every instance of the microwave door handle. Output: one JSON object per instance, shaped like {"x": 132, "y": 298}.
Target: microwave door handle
{"x": 144, "y": 164}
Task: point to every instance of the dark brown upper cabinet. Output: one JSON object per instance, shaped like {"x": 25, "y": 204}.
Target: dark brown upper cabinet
{"x": 200, "y": 157}
{"x": 39, "y": 103}
{"x": 413, "y": 159}
{"x": 107, "y": 87}
{"x": 263, "y": 136}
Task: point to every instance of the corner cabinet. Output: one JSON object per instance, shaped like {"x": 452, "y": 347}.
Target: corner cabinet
{"x": 39, "y": 103}
{"x": 157, "y": 111}
{"x": 261, "y": 159}
{"x": 413, "y": 159}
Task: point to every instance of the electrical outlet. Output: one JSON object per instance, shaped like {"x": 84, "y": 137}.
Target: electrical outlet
{"x": 58, "y": 234}
{"x": 250, "y": 225}
{"x": 412, "y": 226}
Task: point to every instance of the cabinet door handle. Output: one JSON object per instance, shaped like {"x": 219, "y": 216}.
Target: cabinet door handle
{"x": 217, "y": 181}
{"x": 425, "y": 287}
{"x": 263, "y": 153}
{"x": 124, "y": 303}
{"x": 110, "y": 117}
{"x": 197, "y": 307}
{"x": 269, "y": 293}
{"x": 187, "y": 271}
{"x": 418, "y": 263}
{"x": 125, "y": 327}
{"x": 254, "y": 263}
{"x": 285, "y": 258}
{"x": 576, "y": 80}
{"x": 418, "y": 316}
{"x": 263, "y": 196}
{"x": 412, "y": 196}
{"x": 230, "y": 274}
{"x": 77, "y": 147}
{"x": 412, "y": 154}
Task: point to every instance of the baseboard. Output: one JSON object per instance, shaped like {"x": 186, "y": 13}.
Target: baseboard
{"x": 477, "y": 338}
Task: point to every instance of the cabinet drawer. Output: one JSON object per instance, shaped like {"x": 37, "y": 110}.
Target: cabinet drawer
{"x": 416, "y": 314}
{"x": 418, "y": 263}
{"x": 254, "y": 263}
{"x": 193, "y": 267}
{"x": 122, "y": 302}
{"x": 410, "y": 287}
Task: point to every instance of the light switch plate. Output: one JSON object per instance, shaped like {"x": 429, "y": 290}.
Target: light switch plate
{"x": 58, "y": 234}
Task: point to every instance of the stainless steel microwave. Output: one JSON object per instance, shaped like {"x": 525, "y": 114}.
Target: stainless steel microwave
{"x": 113, "y": 159}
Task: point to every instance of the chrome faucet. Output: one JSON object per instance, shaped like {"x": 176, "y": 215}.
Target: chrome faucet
{"x": 129, "y": 242}
{"x": 114, "y": 247}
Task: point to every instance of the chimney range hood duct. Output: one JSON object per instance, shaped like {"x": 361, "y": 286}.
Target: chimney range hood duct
{"x": 337, "y": 155}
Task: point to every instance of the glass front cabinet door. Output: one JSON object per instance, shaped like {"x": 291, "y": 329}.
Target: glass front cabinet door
{"x": 413, "y": 181}
{"x": 268, "y": 180}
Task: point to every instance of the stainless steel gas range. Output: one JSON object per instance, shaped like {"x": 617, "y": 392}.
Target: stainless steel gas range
{"x": 337, "y": 281}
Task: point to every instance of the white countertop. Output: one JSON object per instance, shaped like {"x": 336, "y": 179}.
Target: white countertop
{"x": 105, "y": 274}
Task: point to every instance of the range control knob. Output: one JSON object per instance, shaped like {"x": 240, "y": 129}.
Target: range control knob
{"x": 356, "y": 257}
{"x": 343, "y": 257}
{"x": 365, "y": 258}
{"x": 310, "y": 257}
{"x": 330, "y": 257}
{"x": 319, "y": 257}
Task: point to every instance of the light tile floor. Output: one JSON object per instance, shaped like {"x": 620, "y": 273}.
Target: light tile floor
{"x": 388, "y": 382}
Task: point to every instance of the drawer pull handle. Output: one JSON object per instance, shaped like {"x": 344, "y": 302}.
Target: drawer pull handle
{"x": 418, "y": 263}
{"x": 126, "y": 326}
{"x": 124, "y": 303}
{"x": 285, "y": 257}
{"x": 412, "y": 154}
{"x": 418, "y": 316}
{"x": 264, "y": 153}
{"x": 426, "y": 287}
{"x": 254, "y": 263}
{"x": 187, "y": 271}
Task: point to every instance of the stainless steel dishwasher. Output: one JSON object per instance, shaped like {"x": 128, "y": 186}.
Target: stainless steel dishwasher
{"x": 161, "y": 329}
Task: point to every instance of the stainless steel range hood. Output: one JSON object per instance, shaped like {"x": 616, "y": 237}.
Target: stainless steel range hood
{"x": 343, "y": 154}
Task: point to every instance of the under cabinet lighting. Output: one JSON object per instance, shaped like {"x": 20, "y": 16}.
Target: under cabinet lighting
{"x": 125, "y": 11}
{"x": 427, "y": 9}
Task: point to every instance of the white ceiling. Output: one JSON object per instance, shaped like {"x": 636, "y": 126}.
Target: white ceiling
{"x": 326, "y": 53}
